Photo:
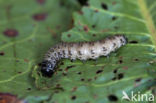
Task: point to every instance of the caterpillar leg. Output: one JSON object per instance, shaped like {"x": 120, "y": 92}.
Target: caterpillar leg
{"x": 108, "y": 56}
{"x": 96, "y": 61}
{"x": 72, "y": 60}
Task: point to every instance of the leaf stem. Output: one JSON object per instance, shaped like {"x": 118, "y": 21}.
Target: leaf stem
{"x": 149, "y": 22}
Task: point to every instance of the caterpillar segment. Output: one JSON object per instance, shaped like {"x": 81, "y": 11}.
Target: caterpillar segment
{"x": 81, "y": 50}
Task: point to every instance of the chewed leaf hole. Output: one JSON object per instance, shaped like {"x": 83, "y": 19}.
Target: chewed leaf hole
{"x": 60, "y": 70}
{"x": 112, "y": 98}
{"x": 82, "y": 79}
{"x": 104, "y": 6}
{"x": 83, "y": 2}
{"x": 73, "y": 97}
{"x": 115, "y": 70}
{"x": 114, "y": 18}
{"x": 99, "y": 71}
{"x": 120, "y": 76}
{"x": 93, "y": 26}
{"x": 114, "y": 78}
{"x": 136, "y": 59}
{"x": 94, "y": 35}
{"x": 69, "y": 35}
{"x": 64, "y": 74}
{"x": 28, "y": 88}
{"x": 120, "y": 61}
{"x": 79, "y": 73}
{"x": 138, "y": 80}
{"x": 1, "y": 53}
{"x": 133, "y": 42}
{"x": 68, "y": 67}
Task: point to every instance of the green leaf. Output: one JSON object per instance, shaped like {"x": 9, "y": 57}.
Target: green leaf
{"x": 135, "y": 61}
{"x": 27, "y": 29}
{"x": 131, "y": 68}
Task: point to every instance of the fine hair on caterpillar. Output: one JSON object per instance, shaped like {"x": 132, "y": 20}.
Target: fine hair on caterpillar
{"x": 80, "y": 50}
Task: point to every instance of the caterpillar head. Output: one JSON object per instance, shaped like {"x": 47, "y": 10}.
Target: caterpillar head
{"x": 123, "y": 39}
{"x": 126, "y": 39}
{"x": 47, "y": 68}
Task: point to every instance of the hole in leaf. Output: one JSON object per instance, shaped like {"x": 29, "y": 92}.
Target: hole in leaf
{"x": 73, "y": 97}
{"x": 104, "y": 6}
{"x": 59, "y": 69}
{"x": 133, "y": 42}
{"x": 115, "y": 70}
{"x": 69, "y": 35}
{"x": 120, "y": 76}
{"x": 62, "y": 63}
{"x": 79, "y": 73}
{"x": 68, "y": 67}
{"x": 19, "y": 72}
{"x": 120, "y": 61}
{"x": 138, "y": 80}
{"x": 94, "y": 35}
{"x": 99, "y": 71}
{"x": 59, "y": 88}
{"x": 82, "y": 79}
{"x": 112, "y": 98}
{"x": 83, "y": 2}
{"x": 114, "y": 18}
{"x": 93, "y": 26}
{"x": 136, "y": 59}
{"x": 114, "y": 78}
{"x": 28, "y": 88}
{"x": 1, "y": 53}
{"x": 64, "y": 74}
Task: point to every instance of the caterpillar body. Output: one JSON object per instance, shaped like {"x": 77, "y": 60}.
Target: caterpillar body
{"x": 81, "y": 50}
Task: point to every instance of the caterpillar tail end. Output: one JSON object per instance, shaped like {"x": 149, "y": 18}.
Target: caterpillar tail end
{"x": 47, "y": 68}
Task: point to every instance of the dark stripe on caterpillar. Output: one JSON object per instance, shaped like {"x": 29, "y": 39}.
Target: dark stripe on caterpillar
{"x": 81, "y": 50}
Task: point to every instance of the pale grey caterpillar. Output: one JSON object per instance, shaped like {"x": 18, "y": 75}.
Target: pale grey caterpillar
{"x": 81, "y": 50}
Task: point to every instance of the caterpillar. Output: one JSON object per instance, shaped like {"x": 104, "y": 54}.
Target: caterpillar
{"x": 80, "y": 50}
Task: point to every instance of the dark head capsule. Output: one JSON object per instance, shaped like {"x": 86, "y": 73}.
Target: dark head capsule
{"x": 126, "y": 39}
{"x": 47, "y": 68}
